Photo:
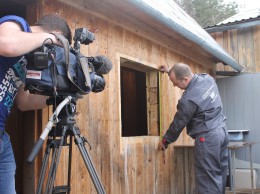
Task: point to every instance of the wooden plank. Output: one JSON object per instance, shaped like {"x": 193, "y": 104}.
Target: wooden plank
{"x": 257, "y": 47}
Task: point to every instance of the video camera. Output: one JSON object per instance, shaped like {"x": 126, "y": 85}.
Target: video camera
{"x": 61, "y": 71}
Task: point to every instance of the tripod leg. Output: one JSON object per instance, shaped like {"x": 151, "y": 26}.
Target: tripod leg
{"x": 44, "y": 166}
{"x": 53, "y": 169}
{"x": 55, "y": 162}
{"x": 56, "y": 146}
{"x": 80, "y": 141}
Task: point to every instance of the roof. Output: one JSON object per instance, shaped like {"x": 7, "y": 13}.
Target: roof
{"x": 246, "y": 18}
{"x": 243, "y": 15}
{"x": 166, "y": 20}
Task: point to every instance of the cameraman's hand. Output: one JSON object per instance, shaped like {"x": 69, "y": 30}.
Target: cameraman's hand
{"x": 164, "y": 68}
{"x": 55, "y": 39}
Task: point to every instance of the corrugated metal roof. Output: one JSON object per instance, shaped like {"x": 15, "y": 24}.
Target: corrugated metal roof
{"x": 246, "y": 18}
{"x": 241, "y": 16}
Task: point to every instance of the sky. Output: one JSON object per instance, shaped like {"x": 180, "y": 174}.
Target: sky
{"x": 246, "y": 4}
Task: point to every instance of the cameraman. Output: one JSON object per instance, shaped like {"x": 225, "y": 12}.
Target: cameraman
{"x": 17, "y": 38}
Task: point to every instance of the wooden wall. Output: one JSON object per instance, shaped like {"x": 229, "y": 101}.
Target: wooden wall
{"x": 126, "y": 165}
{"x": 243, "y": 45}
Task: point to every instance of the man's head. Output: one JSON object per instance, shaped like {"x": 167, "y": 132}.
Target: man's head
{"x": 180, "y": 75}
{"x": 55, "y": 23}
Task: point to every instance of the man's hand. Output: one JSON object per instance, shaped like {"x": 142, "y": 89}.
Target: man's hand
{"x": 164, "y": 68}
{"x": 161, "y": 146}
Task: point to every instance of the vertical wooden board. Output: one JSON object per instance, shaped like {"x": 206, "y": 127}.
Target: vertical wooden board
{"x": 233, "y": 44}
{"x": 163, "y": 104}
{"x": 241, "y": 49}
{"x": 139, "y": 168}
{"x": 100, "y": 44}
{"x": 146, "y": 165}
{"x": 105, "y": 157}
{"x": 191, "y": 172}
{"x": 91, "y": 113}
{"x": 115, "y": 40}
{"x": 125, "y": 181}
{"x": 257, "y": 47}
{"x": 131, "y": 168}
{"x": 146, "y": 50}
{"x": 226, "y": 46}
{"x": 80, "y": 176}
{"x": 155, "y": 55}
{"x": 159, "y": 169}
{"x": 171, "y": 59}
{"x": 127, "y": 39}
{"x": 30, "y": 171}
{"x": 249, "y": 49}
{"x": 164, "y": 184}
{"x": 218, "y": 36}
{"x": 178, "y": 178}
{"x": 114, "y": 119}
{"x": 103, "y": 131}
{"x": 136, "y": 46}
{"x": 149, "y": 152}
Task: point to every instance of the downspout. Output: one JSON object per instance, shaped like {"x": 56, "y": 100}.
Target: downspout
{"x": 215, "y": 50}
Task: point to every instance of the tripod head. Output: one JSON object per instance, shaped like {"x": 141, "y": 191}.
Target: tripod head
{"x": 71, "y": 108}
{"x": 67, "y": 113}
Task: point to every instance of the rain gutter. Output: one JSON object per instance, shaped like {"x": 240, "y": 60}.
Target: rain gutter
{"x": 218, "y": 52}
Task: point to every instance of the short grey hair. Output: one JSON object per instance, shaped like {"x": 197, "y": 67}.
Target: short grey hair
{"x": 181, "y": 70}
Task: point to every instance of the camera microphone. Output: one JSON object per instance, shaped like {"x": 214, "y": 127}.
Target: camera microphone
{"x": 101, "y": 64}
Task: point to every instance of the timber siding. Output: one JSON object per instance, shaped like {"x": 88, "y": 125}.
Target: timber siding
{"x": 126, "y": 165}
{"x": 243, "y": 44}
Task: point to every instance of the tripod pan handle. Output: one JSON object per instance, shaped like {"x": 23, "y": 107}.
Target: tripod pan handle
{"x": 35, "y": 150}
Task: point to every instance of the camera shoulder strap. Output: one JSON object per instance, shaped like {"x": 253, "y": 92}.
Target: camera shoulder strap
{"x": 83, "y": 63}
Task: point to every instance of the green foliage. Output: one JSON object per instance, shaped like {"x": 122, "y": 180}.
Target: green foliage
{"x": 208, "y": 12}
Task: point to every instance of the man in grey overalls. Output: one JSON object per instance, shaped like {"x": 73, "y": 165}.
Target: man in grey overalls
{"x": 200, "y": 111}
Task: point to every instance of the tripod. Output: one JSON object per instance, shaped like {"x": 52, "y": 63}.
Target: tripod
{"x": 57, "y": 138}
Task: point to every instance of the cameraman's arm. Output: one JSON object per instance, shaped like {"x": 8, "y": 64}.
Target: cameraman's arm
{"x": 26, "y": 101}
{"x": 15, "y": 42}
